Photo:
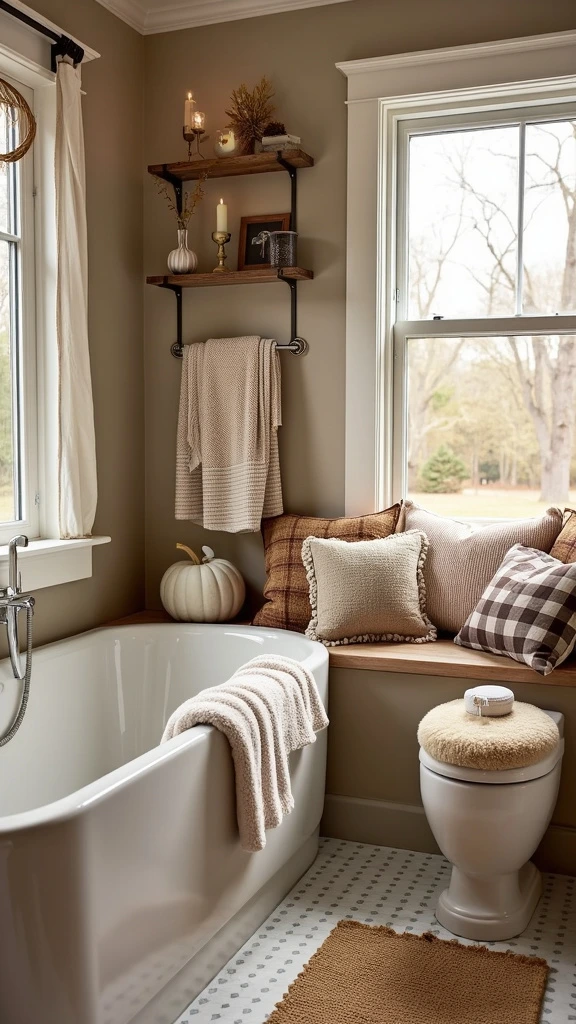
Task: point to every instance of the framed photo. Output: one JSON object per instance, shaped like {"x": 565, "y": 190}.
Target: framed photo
{"x": 251, "y": 255}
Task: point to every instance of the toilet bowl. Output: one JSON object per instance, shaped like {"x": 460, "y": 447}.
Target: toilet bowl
{"x": 488, "y": 824}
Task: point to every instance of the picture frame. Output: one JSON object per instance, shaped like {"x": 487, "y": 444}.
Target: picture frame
{"x": 249, "y": 256}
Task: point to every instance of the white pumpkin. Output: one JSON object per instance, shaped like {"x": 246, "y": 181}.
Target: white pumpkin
{"x": 211, "y": 590}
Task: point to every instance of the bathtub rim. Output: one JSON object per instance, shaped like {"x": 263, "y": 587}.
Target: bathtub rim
{"x": 74, "y": 805}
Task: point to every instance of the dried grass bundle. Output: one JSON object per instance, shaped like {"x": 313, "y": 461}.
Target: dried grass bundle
{"x": 250, "y": 112}
{"x": 191, "y": 200}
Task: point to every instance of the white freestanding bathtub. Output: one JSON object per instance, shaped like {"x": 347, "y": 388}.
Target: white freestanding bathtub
{"x": 123, "y": 886}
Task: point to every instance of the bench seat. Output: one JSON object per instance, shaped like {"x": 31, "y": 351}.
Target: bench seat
{"x": 445, "y": 658}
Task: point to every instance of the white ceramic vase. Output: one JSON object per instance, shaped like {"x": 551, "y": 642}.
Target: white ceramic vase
{"x": 182, "y": 260}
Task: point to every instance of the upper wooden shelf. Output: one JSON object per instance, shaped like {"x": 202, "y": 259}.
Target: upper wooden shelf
{"x": 226, "y": 166}
{"x": 256, "y": 275}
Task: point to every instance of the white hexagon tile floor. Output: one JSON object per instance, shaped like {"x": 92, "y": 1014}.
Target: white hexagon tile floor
{"x": 377, "y": 885}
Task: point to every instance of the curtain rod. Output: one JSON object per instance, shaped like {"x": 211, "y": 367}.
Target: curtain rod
{"x": 62, "y": 46}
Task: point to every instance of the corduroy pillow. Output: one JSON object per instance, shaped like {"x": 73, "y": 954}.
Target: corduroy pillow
{"x": 286, "y": 588}
{"x": 528, "y": 611}
{"x": 463, "y": 557}
{"x": 372, "y": 590}
{"x": 565, "y": 545}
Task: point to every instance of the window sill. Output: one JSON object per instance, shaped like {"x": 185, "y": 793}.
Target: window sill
{"x": 47, "y": 563}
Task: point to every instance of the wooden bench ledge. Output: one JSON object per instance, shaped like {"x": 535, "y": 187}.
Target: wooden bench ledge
{"x": 445, "y": 658}
{"x": 442, "y": 658}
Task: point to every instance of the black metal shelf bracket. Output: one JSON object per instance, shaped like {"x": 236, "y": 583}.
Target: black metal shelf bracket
{"x": 176, "y": 347}
{"x": 293, "y": 189}
{"x": 298, "y": 345}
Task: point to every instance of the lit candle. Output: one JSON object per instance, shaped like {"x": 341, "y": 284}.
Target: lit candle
{"x": 189, "y": 111}
{"x": 222, "y": 217}
{"x": 198, "y": 119}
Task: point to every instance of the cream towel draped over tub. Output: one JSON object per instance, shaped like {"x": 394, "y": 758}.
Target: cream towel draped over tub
{"x": 227, "y": 465}
{"x": 267, "y": 709}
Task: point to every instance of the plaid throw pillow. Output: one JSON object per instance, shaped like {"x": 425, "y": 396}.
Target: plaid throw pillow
{"x": 565, "y": 544}
{"x": 528, "y": 611}
{"x": 286, "y": 588}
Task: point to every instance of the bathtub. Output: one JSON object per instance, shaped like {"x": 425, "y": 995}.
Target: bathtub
{"x": 123, "y": 886}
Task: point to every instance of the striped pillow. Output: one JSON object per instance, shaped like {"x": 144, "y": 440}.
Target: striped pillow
{"x": 463, "y": 557}
{"x": 528, "y": 611}
{"x": 286, "y": 588}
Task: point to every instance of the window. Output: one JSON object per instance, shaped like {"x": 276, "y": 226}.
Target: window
{"x": 484, "y": 336}
{"x": 18, "y": 420}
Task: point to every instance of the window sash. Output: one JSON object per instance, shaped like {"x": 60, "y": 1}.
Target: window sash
{"x": 527, "y": 114}
{"x": 406, "y": 330}
{"x": 21, "y": 240}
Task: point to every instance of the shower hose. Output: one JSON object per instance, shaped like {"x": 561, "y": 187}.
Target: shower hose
{"x": 19, "y": 716}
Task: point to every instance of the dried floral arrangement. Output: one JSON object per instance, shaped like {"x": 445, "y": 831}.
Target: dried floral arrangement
{"x": 191, "y": 200}
{"x": 250, "y": 112}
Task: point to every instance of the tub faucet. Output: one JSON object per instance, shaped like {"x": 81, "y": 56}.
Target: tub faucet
{"x": 13, "y": 601}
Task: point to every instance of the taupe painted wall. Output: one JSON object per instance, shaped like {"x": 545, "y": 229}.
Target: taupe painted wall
{"x": 298, "y": 51}
{"x": 113, "y": 131}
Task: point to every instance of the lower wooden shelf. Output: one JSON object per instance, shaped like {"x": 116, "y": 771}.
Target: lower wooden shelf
{"x": 256, "y": 275}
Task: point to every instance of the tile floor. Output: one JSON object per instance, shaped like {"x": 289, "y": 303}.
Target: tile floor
{"x": 377, "y": 885}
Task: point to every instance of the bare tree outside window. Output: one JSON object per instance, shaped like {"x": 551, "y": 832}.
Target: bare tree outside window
{"x": 504, "y": 408}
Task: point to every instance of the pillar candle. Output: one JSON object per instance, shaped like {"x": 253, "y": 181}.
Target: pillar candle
{"x": 222, "y": 216}
{"x": 189, "y": 111}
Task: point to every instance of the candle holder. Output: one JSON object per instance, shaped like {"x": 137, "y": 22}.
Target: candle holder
{"x": 221, "y": 238}
{"x": 193, "y": 134}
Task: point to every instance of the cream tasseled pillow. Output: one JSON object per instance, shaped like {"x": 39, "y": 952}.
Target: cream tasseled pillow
{"x": 370, "y": 590}
{"x": 463, "y": 557}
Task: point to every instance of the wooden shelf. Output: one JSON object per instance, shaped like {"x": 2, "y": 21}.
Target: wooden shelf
{"x": 256, "y": 275}
{"x": 226, "y": 166}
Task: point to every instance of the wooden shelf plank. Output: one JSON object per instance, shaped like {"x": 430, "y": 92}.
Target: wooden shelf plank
{"x": 226, "y": 166}
{"x": 256, "y": 275}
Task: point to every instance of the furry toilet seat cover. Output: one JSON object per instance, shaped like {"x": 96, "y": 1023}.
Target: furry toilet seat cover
{"x": 524, "y": 737}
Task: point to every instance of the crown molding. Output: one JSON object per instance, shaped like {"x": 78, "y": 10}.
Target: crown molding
{"x": 522, "y": 44}
{"x": 132, "y": 12}
{"x": 151, "y": 16}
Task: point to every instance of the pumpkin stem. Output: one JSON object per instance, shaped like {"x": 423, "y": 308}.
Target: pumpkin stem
{"x": 189, "y": 552}
{"x": 208, "y": 553}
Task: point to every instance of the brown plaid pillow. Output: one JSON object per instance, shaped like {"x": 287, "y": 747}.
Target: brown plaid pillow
{"x": 286, "y": 588}
{"x": 528, "y": 611}
{"x": 565, "y": 545}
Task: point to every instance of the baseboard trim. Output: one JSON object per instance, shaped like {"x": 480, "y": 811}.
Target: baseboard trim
{"x": 404, "y": 826}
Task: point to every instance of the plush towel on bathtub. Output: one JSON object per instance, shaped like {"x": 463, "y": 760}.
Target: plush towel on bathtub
{"x": 268, "y": 708}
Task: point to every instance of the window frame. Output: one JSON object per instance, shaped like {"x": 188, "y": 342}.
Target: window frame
{"x": 380, "y": 91}
{"x": 24, "y": 357}
{"x": 403, "y": 329}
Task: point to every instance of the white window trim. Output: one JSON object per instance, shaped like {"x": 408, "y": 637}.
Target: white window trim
{"x": 48, "y": 561}
{"x": 382, "y": 90}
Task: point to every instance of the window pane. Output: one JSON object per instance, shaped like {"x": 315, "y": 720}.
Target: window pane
{"x": 550, "y": 218}
{"x": 491, "y": 424}
{"x": 462, "y": 223}
{"x": 7, "y": 445}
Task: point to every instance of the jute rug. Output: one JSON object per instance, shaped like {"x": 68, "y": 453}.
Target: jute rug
{"x": 364, "y": 974}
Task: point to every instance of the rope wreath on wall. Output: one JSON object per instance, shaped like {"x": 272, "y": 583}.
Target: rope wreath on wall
{"x": 18, "y": 114}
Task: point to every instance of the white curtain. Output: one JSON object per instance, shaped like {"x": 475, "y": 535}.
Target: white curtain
{"x": 77, "y": 449}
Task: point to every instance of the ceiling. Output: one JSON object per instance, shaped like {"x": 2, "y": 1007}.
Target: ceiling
{"x": 151, "y": 16}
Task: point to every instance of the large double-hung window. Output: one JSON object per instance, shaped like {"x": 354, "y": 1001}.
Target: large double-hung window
{"x": 485, "y": 322}
{"x": 18, "y": 401}
{"x": 461, "y": 278}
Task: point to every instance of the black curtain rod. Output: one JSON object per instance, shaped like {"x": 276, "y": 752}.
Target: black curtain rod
{"x": 62, "y": 46}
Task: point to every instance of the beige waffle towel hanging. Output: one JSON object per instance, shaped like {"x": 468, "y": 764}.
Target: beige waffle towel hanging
{"x": 227, "y": 466}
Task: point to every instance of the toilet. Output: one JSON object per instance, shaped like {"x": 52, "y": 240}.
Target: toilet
{"x": 488, "y": 824}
